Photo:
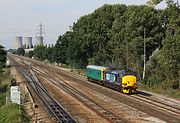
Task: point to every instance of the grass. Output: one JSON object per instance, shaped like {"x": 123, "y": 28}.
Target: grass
{"x": 4, "y": 83}
{"x": 11, "y": 113}
{"x": 2, "y": 99}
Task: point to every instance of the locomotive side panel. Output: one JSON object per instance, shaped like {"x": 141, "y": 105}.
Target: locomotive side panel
{"x": 95, "y": 72}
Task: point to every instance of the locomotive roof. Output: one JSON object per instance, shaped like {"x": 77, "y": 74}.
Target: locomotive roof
{"x": 96, "y": 67}
{"x": 119, "y": 71}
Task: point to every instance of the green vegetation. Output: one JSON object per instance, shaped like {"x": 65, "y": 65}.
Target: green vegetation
{"x": 2, "y": 99}
{"x": 30, "y": 54}
{"x": 13, "y": 114}
{"x": 114, "y": 36}
{"x": 20, "y": 52}
{"x": 3, "y": 89}
{"x": 2, "y": 60}
{"x": 3, "y": 76}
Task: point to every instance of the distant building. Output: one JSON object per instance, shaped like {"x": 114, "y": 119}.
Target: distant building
{"x": 28, "y": 42}
{"x": 39, "y": 40}
{"x": 15, "y": 95}
{"x": 18, "y": 42}
{"x": 28, "y": 50}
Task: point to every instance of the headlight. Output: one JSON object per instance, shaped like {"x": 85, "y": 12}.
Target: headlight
{"x": 124, "y": 84}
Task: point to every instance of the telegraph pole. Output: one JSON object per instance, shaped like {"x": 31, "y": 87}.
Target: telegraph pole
{"x": 144, "y": 71}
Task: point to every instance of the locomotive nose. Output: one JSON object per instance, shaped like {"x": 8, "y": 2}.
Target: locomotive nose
{"x": 129, "y": 80}
{"x": 129, "y": 84}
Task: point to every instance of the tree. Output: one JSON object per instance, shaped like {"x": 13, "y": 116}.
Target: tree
{"x": 2, "y": 59}
{"x": 61, "y": 47}
{"x": 20, "y": 51}
{"x": 164, "y": 68}
{"x": 2, "y": 56}
{"x": 40, "y": 52}
{"x": 31, "y": 54}
{"x": 112, "y": 35}
{"x": 171, "y": 46}
{"x": 171, "y": 55}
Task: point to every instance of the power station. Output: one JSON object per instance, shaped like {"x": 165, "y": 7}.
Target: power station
{"x": 28, "y": 41}
{"x": 18, "y": 42}
{"x": 39, "y": 40}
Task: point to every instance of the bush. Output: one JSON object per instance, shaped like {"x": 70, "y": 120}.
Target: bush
{"x": 175, "y": 84}
{"x": 155, "y": 79}
{"x": 2, "y": 99}
{"x": 20, "y": 51}
{"x": 3, "y": 88}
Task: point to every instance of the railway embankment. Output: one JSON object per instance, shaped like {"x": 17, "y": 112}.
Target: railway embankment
{"x": 9, "y": 111}
{"x": 29, "y": 99}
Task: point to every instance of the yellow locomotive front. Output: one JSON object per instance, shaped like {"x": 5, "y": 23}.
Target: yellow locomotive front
{"x": 129, "y": 84}
{"x": 120, "y": 79}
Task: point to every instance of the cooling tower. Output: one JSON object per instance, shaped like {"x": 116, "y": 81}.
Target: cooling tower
{"x": 28, "y": 42}
{"x": 18, "y": 42}
{"x": 39, "y": 40}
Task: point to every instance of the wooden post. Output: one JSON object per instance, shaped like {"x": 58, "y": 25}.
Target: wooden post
{"x": 144, "y": 71}
{"x": 179, "y": 79}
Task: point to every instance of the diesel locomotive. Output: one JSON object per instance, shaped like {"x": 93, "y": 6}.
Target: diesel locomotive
{"x": 118, "y": 79}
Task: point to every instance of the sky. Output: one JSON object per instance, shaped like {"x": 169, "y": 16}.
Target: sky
{"x": 21, "y": 17}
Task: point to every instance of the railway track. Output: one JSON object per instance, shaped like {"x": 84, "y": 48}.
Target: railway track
{"x": 143, "y": 103}
{"x": 151, "y": 104}
{"x": 44, "y": 71}
{"x": 54, "y": 108}
{"x": 155, "y": 97}
{"x": 163, "y": 106}
{"x": 104, "y": 112}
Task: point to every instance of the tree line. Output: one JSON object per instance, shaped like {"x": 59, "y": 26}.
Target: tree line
{"x": 114, "y": 35}
{"x": 2, "y": 60}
